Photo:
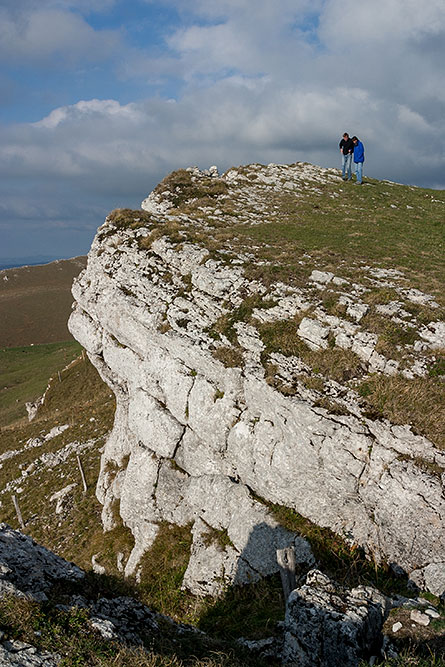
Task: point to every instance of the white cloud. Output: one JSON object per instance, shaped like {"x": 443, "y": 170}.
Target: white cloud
{"x": 383, "y": 22}
{"x": 48, "y": 35}
{"x": 267, "y": 38}
{"x": 85, "y": 110}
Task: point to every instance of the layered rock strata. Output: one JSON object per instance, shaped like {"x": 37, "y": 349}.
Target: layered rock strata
{"x": 196, "y": 442}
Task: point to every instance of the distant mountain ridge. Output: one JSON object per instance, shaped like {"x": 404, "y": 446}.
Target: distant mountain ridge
{"x": 35, "y": 260}
{"x": 35, "y": 302}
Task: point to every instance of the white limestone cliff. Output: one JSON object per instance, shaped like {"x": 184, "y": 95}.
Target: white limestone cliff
{"x": 195, "y": 442}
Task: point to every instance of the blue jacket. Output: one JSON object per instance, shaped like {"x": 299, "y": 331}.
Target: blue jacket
{"x": 359, "y": 152}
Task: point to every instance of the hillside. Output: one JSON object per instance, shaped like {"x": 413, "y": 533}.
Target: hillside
{"x": 35, "y": 302}
{"x": 264, "y": 332}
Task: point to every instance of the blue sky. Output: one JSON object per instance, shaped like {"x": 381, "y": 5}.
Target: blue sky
{"x": 100, "y": 99}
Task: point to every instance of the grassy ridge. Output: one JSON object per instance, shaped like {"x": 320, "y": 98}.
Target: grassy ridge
{"x": 346, "y": 226}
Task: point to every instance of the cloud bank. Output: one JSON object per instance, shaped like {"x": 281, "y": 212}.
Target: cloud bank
{"x": 227, "y": 82}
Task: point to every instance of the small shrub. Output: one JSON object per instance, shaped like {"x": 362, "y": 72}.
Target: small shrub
{"x": 226, "y": 323}
{"x": 282, "y": 337}
{"x": 182, "y": 186}
{"x": 437, "y": 368}
{"x": 218, "y": 395}
{"x": 333, "y": 407}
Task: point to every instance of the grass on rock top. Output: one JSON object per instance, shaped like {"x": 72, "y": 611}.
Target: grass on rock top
{"x": 339, "y": 225}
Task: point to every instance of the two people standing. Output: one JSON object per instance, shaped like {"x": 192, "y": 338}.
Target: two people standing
{"x": 352, "y": 149}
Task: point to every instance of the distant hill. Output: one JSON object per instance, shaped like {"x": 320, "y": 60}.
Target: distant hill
{"x": 32, "y": 260}
{"x": 35, "y": 302}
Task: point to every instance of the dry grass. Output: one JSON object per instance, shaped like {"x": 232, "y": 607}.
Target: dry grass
{"x": 419, "y": 402}
{"x": 282, "y": 337}
{"x": 183, "y": 188}
{"x": 335, "y": 363}
{"x": 35, "y": 303}
{"x": 128, "y": 218}
{"x": 231, "y": 357}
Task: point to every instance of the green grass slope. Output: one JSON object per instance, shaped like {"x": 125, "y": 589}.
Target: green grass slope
{"x": 24, "y": 373}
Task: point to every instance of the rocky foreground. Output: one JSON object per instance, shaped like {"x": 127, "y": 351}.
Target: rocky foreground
{"x": 325, "y": 624}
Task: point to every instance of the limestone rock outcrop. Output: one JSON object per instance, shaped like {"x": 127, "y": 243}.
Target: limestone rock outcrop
{"x": 200, "y": 436}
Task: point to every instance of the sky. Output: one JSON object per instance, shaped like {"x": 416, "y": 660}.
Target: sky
{"x": 100, "y": 99}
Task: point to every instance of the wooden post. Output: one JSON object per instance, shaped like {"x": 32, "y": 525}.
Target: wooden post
{"x": 286, "y": 562}
{"x": 60, "y": 377}
{"x": 84, "y": 481}
{"x": 18, "y": 512}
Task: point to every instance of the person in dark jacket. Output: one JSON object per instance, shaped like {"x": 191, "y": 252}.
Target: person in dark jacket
{"x": 359, "y": 158}
{"x": 346, "y": 150}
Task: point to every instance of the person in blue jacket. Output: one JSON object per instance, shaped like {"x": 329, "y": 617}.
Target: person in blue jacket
{"x": 359, "y": 158}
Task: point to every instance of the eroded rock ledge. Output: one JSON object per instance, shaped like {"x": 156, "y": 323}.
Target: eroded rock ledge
{"x": 199, "y": 440}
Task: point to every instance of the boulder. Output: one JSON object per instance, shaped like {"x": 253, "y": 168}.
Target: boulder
{"x": 328, "y": 625}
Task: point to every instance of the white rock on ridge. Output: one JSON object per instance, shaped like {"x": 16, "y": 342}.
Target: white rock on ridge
{"x": 190, "y": 435}
{"x": 420, "y": 618}
{"x": 60, "y": 497}
{"x": 314, "y": 334}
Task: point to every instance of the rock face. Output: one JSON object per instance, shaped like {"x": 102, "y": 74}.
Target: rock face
{"x": 198, "y": 441}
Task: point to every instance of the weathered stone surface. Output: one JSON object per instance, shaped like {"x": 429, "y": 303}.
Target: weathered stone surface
{"x": 431, "y": 577}
{"x": 419, "y": 617}
{"x": 19, "y": 654}
{"x": 144, "y": 316}
{"x": 329, "y": 626}
{"x": 313, "y": 333}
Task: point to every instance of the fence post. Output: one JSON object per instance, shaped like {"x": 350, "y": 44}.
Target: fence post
{"x": 18, "y": 512}
{"x": 84, "y": 481}
{"x": 287, "y": 564}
